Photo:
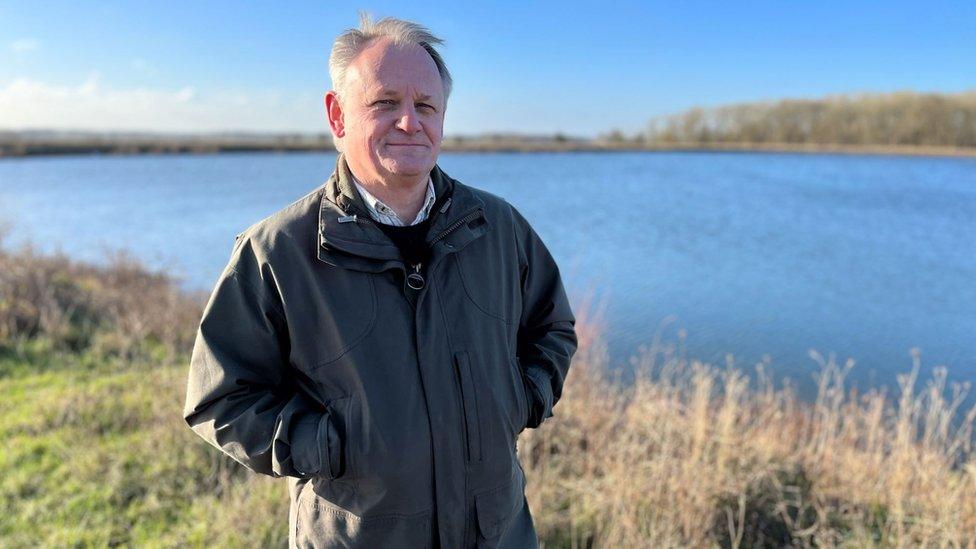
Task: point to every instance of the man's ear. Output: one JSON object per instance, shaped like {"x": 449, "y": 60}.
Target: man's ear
{"x": 333, "y": 110}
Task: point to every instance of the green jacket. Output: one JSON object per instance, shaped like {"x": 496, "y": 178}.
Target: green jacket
{"x": 394, "y": 412}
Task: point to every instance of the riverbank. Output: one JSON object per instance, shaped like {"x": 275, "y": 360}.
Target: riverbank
{"x": 29, "y": 144}
{"x": 93, "y": 364}
{"x": 52, "y": 143}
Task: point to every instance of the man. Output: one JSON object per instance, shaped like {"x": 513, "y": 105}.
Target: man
{"x": 383, "y": 341}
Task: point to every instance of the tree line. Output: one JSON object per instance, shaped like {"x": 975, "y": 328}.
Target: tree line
{"x": 900, "y": 118}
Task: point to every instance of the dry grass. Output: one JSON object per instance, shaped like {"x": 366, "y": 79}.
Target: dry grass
{"x": 688, "y": 454}
{"x": 693, "y": 455}
{"x": 117, "y": 308}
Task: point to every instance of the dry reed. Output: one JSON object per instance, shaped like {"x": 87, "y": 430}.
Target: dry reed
{"x": 115, "y": 308}
{"x": 694, "y": 455}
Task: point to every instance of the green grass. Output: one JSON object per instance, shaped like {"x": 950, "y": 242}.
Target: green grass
{"x": 95, "y": 453}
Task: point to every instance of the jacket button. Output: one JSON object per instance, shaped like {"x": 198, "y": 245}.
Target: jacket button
{"x": 415, "y": 281}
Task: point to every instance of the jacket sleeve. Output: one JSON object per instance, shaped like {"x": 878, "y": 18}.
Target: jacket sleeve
{"x": 240, "y": 396}
{"x": 546, "y": 332}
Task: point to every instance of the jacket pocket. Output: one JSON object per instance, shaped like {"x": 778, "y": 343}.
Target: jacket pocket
{"x": 496, "y": 507}
{"x": 491, "y": 283}
{"x": 469, "y": 403}
{"x": 321, "y": 523}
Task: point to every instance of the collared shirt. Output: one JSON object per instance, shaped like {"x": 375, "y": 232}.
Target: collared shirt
{"x": 385, "y": 214}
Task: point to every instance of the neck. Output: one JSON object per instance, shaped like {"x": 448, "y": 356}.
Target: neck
{"x": 404, "y": 195}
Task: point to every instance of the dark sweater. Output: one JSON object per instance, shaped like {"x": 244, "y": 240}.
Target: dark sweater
{"x": 411, "y": 239}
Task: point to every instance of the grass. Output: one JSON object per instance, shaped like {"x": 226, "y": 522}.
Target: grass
{"x": 96, "y": 453}
{"x": 92, "y": 379}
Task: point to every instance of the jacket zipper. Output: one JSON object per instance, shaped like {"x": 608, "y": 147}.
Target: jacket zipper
{"x": 455, "y": 225}
{"x": 415, "y": 280}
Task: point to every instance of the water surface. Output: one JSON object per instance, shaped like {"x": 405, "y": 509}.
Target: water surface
{"x": 754, "y": 255}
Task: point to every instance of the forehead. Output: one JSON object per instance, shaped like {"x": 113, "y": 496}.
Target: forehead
{"x": 383, "y": 66}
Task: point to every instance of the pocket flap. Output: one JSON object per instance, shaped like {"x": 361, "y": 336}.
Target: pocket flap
{"x": 496, "y": 507}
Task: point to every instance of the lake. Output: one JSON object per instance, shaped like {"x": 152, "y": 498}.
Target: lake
{"x": 753, "y": 255}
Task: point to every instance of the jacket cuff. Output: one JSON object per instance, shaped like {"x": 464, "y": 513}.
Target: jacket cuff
{"x": 539, "y": 385}
{"x": 317, "y": 449}
{"x": 305, "y": 447}
{"x": 333, "y": 448}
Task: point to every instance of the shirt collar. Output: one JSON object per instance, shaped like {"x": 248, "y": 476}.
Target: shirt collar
{"x": 385, "y": 214}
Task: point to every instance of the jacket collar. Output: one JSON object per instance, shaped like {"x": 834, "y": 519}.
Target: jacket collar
{"x": 348, "y": 236}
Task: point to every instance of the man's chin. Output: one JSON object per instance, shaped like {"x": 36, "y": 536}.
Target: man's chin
{"x": 403, "y": 167}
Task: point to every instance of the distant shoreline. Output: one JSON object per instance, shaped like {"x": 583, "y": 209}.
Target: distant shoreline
{"x": 889, "y": 150}
{"x": 894, "y": 124}
{"x": 196, "y": 145}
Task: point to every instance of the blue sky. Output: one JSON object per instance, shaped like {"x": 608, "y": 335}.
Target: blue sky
{"x": 581, "y": 68}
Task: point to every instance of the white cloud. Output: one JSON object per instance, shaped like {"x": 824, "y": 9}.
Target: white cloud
{"x": 186, "y": 94}
{"x": 24, "y": 45}
{"x": 90, "y": 86}
{"x": 28, "y": 103}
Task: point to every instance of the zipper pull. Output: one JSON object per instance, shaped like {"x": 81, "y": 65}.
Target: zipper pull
{"x": 348, "y": 219}
{"x": 415, "y": 280}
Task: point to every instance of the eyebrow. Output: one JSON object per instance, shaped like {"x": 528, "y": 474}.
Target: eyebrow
{"x": 392, "y": 93}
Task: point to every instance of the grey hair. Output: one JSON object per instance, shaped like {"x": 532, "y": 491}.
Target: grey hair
{"x": 352, "y": 41}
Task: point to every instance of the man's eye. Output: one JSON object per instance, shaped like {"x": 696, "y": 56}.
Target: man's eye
{"x": 425, "y": 106}
{"x": 384, "y": 102}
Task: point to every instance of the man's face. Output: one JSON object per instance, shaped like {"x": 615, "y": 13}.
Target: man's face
{"x": 390, "y": 116}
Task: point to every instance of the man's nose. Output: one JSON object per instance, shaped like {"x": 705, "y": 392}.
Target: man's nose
{"x": 409, "y": 122}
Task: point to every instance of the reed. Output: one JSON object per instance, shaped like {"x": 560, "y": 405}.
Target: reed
{"x": 118, "y": 307}
{"x": 92, "y": 373}
{"x": 691, "y": 454}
